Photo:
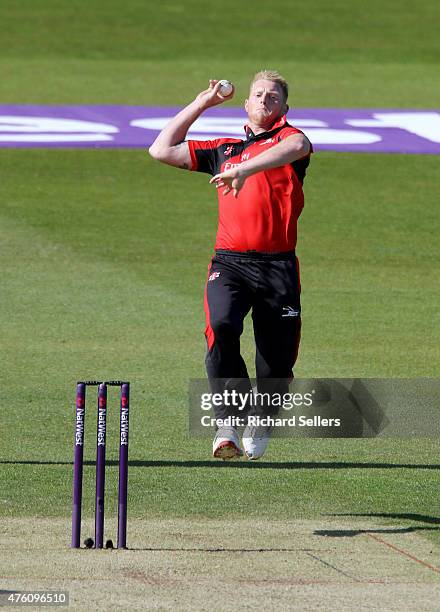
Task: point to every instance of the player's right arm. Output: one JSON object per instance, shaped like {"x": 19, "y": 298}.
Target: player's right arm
{"x": 170, "y": 146}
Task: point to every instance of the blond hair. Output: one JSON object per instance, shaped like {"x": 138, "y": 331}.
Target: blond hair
{"x": 275, "y": 76}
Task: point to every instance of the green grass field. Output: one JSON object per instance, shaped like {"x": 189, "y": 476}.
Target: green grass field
{"x": 334, "y": 54}
{"x": 104, "y": 256}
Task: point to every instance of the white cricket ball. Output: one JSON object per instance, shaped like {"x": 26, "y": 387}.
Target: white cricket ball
{"x": 226, "y": 88}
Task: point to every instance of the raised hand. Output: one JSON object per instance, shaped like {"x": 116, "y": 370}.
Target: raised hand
{"x": 212, "y": 96}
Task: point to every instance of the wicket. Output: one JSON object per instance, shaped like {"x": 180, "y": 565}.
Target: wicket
{"x": 78, "y": 461}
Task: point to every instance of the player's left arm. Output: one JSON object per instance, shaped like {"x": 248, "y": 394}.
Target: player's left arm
{"x": 287, "y": 151}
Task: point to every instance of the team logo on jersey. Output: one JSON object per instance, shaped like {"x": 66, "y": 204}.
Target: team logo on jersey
{"x": 267, "y": 141}
{"x": 229, "y": 166}
{"x": 213, "y": 276}
{"x": 229, "y": 150}
{"x": 290, "y": 312}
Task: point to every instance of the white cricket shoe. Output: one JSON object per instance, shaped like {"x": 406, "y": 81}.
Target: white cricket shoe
{"x": 226, "y": 444}
{"x": 255, "y": 440}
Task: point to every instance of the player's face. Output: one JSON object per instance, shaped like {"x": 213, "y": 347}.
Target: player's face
{"x": 265, "y": 104}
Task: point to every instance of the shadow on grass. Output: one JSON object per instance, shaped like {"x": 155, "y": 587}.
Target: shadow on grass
{"x": 260, "y": 465}
{"x": 223, "y": 550}
{"x": 349, "y": 533}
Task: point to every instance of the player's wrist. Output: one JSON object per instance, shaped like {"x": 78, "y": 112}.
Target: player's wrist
{"x": 199, "y": 105}
{"x": 243, "y": 171}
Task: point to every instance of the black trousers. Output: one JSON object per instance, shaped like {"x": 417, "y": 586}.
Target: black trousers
{"x": 267, "y": 284}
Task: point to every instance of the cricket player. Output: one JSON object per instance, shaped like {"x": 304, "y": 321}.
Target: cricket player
{"x": 259, "y": 181}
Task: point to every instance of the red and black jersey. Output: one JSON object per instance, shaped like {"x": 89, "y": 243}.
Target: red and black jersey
{"x": 264, "y": 215}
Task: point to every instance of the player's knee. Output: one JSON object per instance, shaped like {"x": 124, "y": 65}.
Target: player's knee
{"x": 224, "y": 327}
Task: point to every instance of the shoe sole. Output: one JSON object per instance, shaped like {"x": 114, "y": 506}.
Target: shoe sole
{"x": 227, "y": 451}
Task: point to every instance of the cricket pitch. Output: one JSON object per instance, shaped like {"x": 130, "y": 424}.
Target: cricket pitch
{"x": 329, "y": 563}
